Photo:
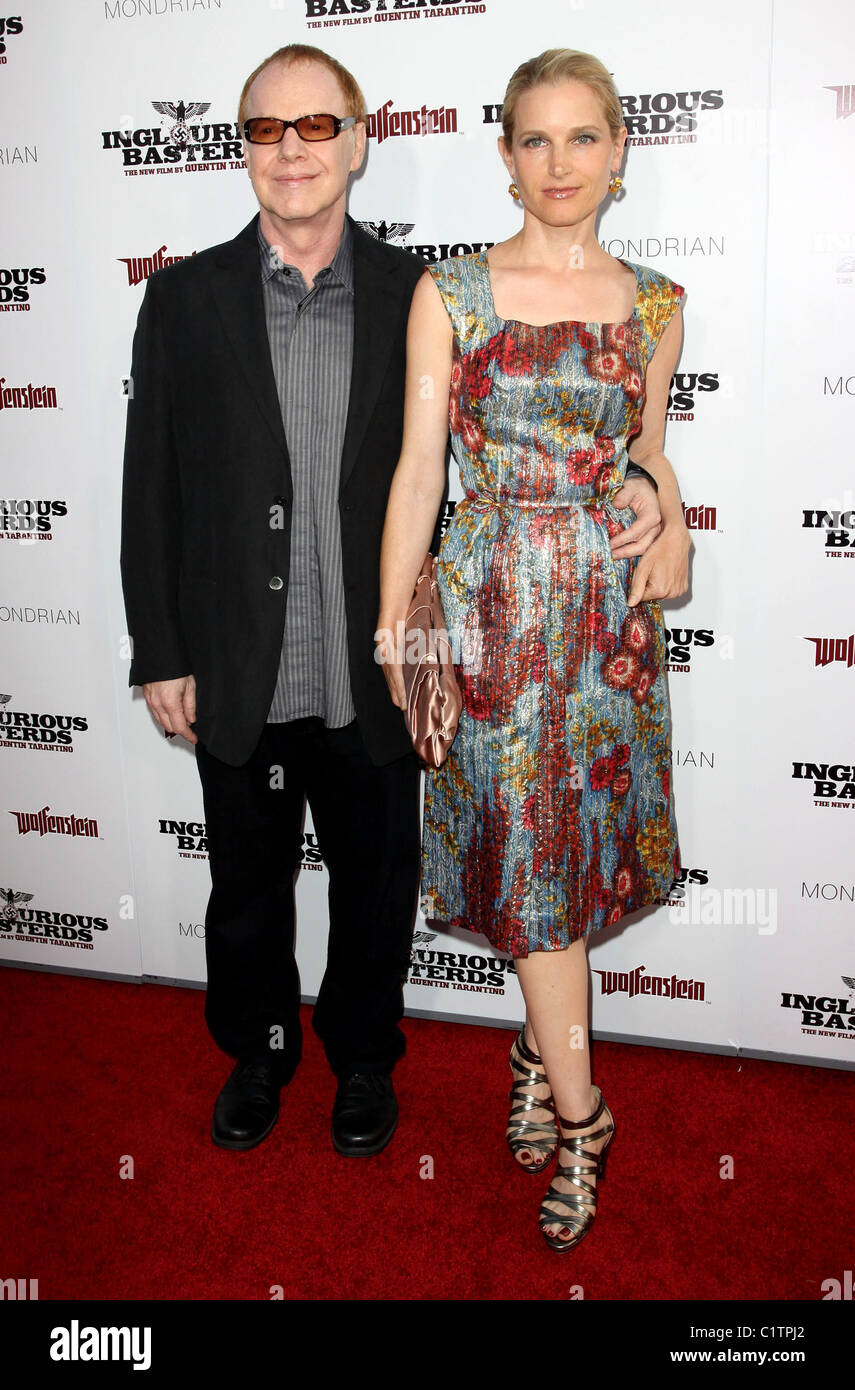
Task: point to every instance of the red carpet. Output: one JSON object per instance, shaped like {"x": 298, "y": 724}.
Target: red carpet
{"x": 94, "y": 1071}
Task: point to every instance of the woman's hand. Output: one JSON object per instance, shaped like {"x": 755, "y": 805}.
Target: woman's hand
{"x": 663, "y": 571}
{"x": 388, "y": 653}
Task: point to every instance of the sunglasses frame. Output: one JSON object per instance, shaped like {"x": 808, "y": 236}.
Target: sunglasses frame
{"x": 340, "y": 123}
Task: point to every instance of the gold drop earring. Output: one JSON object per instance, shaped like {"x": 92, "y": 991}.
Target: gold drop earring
{"x": 514, "y": 192}
{"x": 615, "y": 183}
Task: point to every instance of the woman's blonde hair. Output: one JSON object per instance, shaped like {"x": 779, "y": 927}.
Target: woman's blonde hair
{"x": 304, "y": 53}
{"x": 560, "y": 65}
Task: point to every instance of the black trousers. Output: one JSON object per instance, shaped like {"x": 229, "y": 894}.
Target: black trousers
{"x": 367, "y": 823}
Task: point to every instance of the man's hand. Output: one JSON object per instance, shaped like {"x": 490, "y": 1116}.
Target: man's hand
{"x": 664, "y": 571}
{"x": 638, "y": 494}
{"x": 173, "y": 705}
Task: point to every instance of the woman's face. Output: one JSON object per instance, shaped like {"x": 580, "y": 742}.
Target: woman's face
{"x": 562, "y": 153}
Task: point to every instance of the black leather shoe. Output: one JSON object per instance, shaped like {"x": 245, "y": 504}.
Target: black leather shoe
{"x": 247, "y": 1107}
{"x": 365, "y": 1114}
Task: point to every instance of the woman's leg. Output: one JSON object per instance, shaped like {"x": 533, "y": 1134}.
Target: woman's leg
{"x": 555, "y": 989}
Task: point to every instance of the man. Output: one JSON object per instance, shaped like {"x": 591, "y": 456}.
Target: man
{"x": 263, "y": 432}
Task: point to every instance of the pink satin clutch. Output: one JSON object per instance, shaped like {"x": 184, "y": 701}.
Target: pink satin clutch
{"x": 433, "y": 695}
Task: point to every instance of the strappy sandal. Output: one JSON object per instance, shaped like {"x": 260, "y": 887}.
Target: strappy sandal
{"x": 581, "y": 1207}
{"x": 520, "y": 1130}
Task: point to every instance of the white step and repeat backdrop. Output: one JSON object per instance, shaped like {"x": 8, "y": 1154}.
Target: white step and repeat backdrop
{"x": 737, "y": 185}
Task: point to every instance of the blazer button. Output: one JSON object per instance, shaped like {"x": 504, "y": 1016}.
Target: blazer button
{"x": 275, "y": 582}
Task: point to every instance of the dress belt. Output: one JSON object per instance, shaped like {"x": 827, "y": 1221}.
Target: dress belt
{"x": 488, "y": 499}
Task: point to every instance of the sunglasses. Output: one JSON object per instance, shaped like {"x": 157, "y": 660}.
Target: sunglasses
{"x": 269, "y": 130}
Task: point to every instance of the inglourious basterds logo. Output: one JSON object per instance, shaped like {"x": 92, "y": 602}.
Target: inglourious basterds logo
{"x": 655, "y": 118}
{"x": 180, "y": 144}
{"x": 191, "y": 842}
{"x": 398, "y": 234}
{"x": 37, "y": 732}
{"x": 16, "y": 282}
{"x": 830, "y": 1015}
{"x": 838, "y": 526}
{"x": 456, "y": 969}
{"x": 39, "y": 926}
{"x": 190, "y": 836}
{"x": 330, "y": 14}
{"x": 10, "y": 27}
{"x": 30, "y": 518}
{"x": 833, "y": 783}
{"x": 684, "y": 388}
{"x": 677, "y": 893}
{"x": 683, "y": 641}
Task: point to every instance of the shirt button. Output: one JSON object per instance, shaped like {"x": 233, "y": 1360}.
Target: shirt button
{"x": 275, "y": 582}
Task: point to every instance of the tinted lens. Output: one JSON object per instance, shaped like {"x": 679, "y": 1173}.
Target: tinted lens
{"x": 263, "y": 130}
{"x": 316, "y": 127}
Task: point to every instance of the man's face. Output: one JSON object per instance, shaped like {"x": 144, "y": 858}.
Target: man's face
{"x": 297, "y": 181}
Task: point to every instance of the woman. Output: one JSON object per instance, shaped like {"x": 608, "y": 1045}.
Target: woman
{"x": 552, "y": 815}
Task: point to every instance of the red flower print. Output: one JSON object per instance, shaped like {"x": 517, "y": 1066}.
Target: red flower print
{"x": 471, "y": 435}
{"x": 621, "y": 670}
{"x": 637, "y": 633}
{"x": 474, "y": 700}
{"x": 583, "y": 466}
{"x": 623, "y": 881}
{"x": 642, "y": 689}
{"x": 607, "y": 364}
{"x": 621, "y": 783}
{"x": 601, "y": 773}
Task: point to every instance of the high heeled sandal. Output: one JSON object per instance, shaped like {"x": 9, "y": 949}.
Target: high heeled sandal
{"x": 581, "y": 1207}
{"x": 519, "y": 1130}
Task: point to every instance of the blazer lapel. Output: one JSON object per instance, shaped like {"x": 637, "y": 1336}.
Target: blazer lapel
{"x": 240, "y": 303}
{"x": 377, "y": 295}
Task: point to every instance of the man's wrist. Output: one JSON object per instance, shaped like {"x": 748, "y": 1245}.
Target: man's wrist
{"x": 635, "y": 470}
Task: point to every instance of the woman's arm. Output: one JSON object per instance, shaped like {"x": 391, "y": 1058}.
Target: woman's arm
{"x": 419, "y": 479}
{"x": 663, "y": 572}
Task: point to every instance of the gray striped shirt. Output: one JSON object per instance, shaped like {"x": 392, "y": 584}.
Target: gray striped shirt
{"x": 311, "y": 345}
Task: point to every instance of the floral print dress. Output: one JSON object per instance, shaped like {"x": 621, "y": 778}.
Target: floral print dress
{"x": 553, "y": 813}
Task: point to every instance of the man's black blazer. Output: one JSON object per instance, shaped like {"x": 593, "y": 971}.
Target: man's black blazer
{"x": 207, "y": 476}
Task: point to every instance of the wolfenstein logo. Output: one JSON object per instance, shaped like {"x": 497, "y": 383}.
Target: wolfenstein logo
{"x": 699, "y": 518}
{"x": 845, "y": 100}
{"x": 47, "y": 824}
{"x": 830, "y": 649}
{"x": 425, "y": 120}
{"x": 633, "y": 982}
{"x": 141, "y": 267}
{"x": 27, "y": 397}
